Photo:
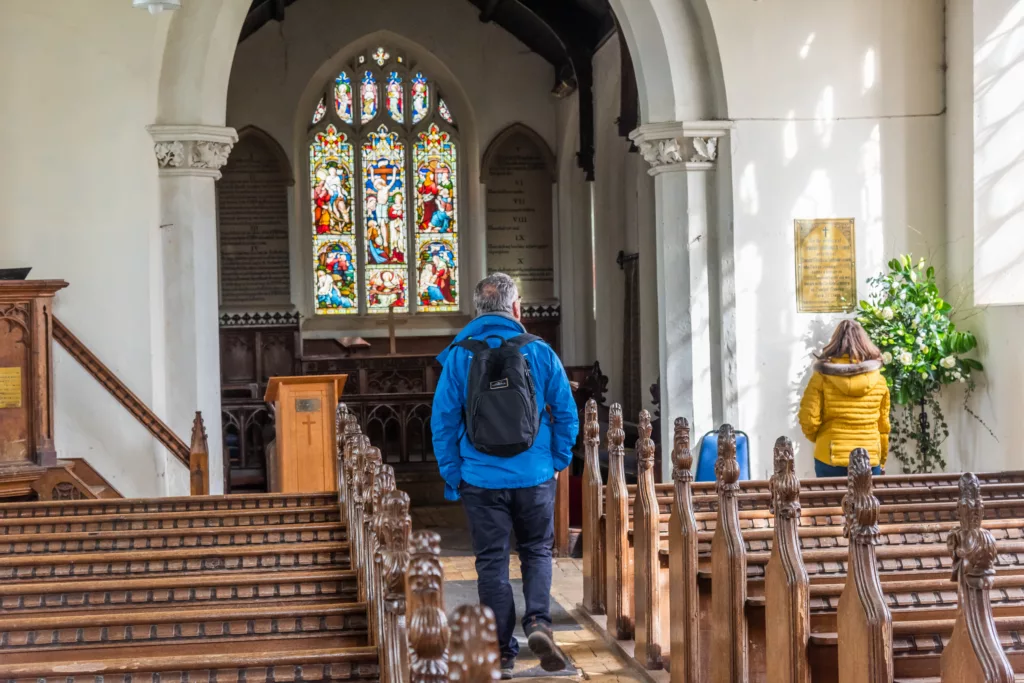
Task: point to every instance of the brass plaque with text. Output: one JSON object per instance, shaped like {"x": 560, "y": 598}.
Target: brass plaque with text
{"x": 826, "y": 265}
{"x": 10, "y": 387}
{"x": 307, "y": 405}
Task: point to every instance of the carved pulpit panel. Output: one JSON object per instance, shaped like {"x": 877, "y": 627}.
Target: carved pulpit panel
{"x": 26, "y": 368}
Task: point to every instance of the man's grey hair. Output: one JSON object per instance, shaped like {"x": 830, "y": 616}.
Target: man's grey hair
{"x": 495, "y": 294}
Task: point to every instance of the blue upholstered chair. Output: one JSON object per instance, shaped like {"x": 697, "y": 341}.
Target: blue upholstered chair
{"x": 707, "y": 454}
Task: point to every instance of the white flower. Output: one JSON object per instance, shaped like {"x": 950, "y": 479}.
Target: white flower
{"x": 906, "y": 358}
{"x": 924, "y": 309}
{"x": 924, "y": 349}
{"x": 887, "y": 313}
{"x": 948, "y": 362}
{"x": 886, "y": 357}
{"x": 961, "y": 379}
{"x": 903, "y": 296}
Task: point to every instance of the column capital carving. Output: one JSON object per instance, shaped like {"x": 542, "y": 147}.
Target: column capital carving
{"x": 192, "y": 150}
{"x": 680, "y": 145}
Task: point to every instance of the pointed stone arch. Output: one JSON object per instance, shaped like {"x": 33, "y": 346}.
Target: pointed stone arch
{"x": 518, "y": 129}
{"x": 262, "y": 137}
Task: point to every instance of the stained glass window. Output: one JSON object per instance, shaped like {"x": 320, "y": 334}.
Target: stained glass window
{"x": 321, "y": 109}
{"x": 420, "y": 97}
{"x": 368, "y": 96}
{"x": 442, "y": 109}
{"x": 343, "y": 97}
{"x": 434, "y": 163}
{"x": 334, "y": 252}
{"x": 384, "y": 190}
{"x": 395, "y": 97}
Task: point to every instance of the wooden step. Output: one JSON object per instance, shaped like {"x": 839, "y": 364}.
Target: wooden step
{"x": 137, "y": 563}
{"x": 125, "y": 506}
{"x": 109, "y": 541}
{"x": 169, "y": 520}
{"x": 56, "y": 597}
{"x": 343, "y": 623}
{"x": 271, "y": 662}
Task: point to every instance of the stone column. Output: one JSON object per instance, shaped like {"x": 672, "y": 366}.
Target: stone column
{"x": 683, "y": 159}
{"x": 189, "y": 158}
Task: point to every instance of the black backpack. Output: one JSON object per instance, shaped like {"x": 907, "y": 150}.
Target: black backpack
{"x": 501, "y": 404}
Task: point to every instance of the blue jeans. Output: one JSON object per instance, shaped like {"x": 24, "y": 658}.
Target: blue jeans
{"x": 823, "y": 470}
{"x": 492, "y": 515}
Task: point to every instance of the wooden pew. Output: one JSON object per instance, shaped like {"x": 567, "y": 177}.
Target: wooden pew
{"x": 751, "y": 511}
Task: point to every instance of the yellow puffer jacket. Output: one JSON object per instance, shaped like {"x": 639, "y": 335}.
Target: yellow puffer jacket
{"x": 846, "y": 406}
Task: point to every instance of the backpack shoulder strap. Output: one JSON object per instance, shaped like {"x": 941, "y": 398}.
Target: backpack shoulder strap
{"x": 521, "y": 340}
{"x": 472, "y": 345}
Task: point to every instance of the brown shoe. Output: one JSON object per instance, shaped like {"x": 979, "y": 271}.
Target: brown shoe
{"x": 542, "y": 642}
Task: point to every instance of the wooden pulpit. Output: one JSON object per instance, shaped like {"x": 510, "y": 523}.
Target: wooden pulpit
{"x": 305, "y": 456}
{"x": 26, "y": 381}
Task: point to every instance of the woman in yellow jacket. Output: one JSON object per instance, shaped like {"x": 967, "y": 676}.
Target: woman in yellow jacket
{"x": 846, "y": 403}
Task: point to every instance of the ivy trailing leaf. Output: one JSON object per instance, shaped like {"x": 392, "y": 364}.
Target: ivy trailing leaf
{"x": 922, "y": 351}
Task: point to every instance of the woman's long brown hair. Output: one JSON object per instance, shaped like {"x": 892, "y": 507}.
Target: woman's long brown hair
{"x": 850, "y": 339}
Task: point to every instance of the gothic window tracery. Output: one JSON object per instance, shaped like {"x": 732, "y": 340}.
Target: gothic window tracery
{"x": 384, "y": 191}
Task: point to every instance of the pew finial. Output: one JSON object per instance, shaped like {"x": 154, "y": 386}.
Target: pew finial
{"x": 428, "y": 625}
{"x": 616, "y": 435}
{"x": 591, "y": 425}
{"x": 371, "y": 465}
{"x": 682, "y": 458}
{"x": 644, "y": 443}
{"x": 473, "y": 655}
{"x": 395, "y": 530}
{"x": 784, "y": 484}
{"x": 727, "y": 468}
{"x": 972, "y": 547}
{"x": 860, "y": 507}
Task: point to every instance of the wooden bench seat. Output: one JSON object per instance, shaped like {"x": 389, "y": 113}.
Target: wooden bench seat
{"x": 153, "y": 539}
{"x": 127, "y": 506}
{"x": 168, "y": 520}
{"x": 288, "y": 587}
{"x": 261, "y": 664}
{"x": 161, "y": 562}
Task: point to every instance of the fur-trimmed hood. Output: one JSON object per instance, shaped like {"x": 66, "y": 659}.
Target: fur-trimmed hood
{"x": 847, "y": 369}
{"x": 852, "y": 379}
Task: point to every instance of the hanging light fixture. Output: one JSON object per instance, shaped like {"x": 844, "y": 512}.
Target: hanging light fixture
{"x": 157, "y": 6}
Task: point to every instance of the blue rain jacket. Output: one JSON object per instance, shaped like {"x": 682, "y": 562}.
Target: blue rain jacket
{"x": 552, "y": 449}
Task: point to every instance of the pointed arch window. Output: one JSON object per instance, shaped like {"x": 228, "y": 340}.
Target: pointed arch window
{"x": 384, "y": 191}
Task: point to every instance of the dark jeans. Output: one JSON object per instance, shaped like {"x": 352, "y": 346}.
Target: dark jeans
{"x": 823, "y": 470}
{"x": 493, "y": 514}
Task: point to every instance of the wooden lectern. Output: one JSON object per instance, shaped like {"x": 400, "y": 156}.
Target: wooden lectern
{"x": 26, "y": 381}
{"x": 305, "y": 457}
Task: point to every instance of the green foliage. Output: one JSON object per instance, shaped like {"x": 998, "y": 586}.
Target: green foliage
{"x": 922, "y": 351}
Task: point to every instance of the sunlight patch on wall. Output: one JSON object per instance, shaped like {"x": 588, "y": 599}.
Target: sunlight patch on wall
{"x": 871, "y": 227}
{"x": 869, "y": 70}
{"x": 806, "y": 48}
{"x": 748, "y": 191}
{"x": 790, "y": 146}
{"x": 825, "y": 116}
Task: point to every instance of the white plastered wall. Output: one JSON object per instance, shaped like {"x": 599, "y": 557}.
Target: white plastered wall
{"x": 984, "y": 138}
{"x": 839, "y": 112}
{"x": 79, "y": 201}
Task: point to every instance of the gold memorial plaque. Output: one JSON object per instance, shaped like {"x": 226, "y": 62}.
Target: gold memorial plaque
{"x": 10, "y": 387}
{"x": 826, "y": 265}
{"x": 307, "y": 405}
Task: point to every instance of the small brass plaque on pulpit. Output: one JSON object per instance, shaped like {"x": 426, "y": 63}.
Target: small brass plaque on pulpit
{"x": 10, "y": 387}
{"x": 307, "y": 405}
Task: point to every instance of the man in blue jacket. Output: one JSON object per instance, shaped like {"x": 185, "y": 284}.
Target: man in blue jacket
{"x": 505, "y": 494}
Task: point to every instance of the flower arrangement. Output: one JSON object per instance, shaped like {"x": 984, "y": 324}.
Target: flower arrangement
{"x": 922, "y": 351}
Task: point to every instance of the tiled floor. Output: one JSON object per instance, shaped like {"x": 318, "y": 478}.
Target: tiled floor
{"x": 588, "y": 652}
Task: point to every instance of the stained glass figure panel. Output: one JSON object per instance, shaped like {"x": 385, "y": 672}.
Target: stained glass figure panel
{"x": 442, "y": 109}
{"x": 434, "y": 163}
{"x": 420, "y": 97}
{"x": 435, "y": 166}
{"x": 335, "y": 270}
{"x": 369, "y": 97}
{"x": 384, "y": 225}
{"x": 437, "y": 286}
{"x": 396, "y": 99}
{"x": 343, "y": 97}
{"x": 330, "y": 181}
{"x": 321, "y": 109}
